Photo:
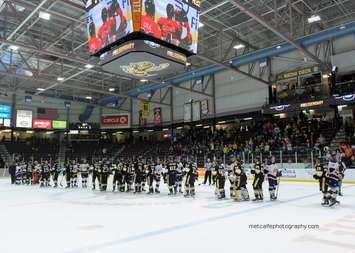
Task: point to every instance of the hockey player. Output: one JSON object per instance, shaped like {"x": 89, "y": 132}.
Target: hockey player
{"x": 320, "y": 175}
{"x": 333, "y": 175}
{"x": 123, "y": 178}
{"x": 54, "y": 171}
{"x": 18, "y": 173}
{"x": 96, "y": 172}
{"x": 129, "y": 176}
{"x": 116, "y": 178}
{"x": 273, "y": 174}
{"x": 104, "y": 31}
{"x": 67, "y": 172}
{"x": 84, "y": 173}
{"x": 94, "y": 43}
{"x": 190, "y": 179}
{"x": 36, "y": 172}
{"x": 171, "y": 177}
{"x": 45, "y": 175}
{"x": 23, "y": 172}
{"x": 143, "y": 175}
{"x": 239, "y": 185}
{"x": 170, "y": 28}
{"x": 29, "y": 171}
{"x": 74, "y": 174}
{"x": 258, "y": 180}
{"x": 208, "y": 173}
{"x": 179, "y": 176}
{"x": 117, "y": 18}
{"x": 148, "y": 21}
{"x": 185, "y": 37}
{"x": 104, "y": 175}
{"x": 137, "y": 173}
{"x": 231, "y": 168}
{"x": 220, "y": 181}
{"x": 149, "y": 170}
{"x": 157, "y": 175}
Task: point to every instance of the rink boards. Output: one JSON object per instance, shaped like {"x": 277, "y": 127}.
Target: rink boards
{"x": 296, "y": 172}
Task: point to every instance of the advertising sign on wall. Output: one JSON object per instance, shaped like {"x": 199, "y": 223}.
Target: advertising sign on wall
{"x": 5, "y": 111}
{"x": 115, "y": 121}
{"x": 24, "y": 119}
{"x": 42, "y": 124}
{"x": 59, "y": 124}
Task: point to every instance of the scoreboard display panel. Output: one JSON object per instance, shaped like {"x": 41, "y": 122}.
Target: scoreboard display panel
{"x": 107, "y": 22}
{"x": 173, "y": 21}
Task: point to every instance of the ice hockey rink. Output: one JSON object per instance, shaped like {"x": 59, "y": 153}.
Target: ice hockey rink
{"x": 76, "y": 221}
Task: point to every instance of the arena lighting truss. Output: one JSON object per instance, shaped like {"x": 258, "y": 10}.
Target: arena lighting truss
{"x": 44, "y": 49}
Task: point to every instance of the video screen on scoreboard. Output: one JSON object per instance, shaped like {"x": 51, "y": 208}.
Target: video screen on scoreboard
{"x": 107, "y": 22}
{"x": 173, "y": 21}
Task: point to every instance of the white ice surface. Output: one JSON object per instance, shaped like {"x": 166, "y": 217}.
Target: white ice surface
{"x": 46, "y": 220}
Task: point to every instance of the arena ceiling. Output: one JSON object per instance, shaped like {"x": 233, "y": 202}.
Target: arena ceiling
{"x": 35, "y": 52}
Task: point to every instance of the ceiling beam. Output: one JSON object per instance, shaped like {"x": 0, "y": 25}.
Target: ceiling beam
{"x": 230, "y": 67}
{"x": 264, "y": 23}
{"x": 24, "y": 22}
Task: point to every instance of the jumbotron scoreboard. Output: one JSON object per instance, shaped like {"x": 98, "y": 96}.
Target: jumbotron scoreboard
{"x": 143, "y": 38}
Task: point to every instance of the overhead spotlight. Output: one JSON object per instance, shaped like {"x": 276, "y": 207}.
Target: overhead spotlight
{"x": 239, "y": 46}
{"x": 44, "y": 15}
{"x": 314, "y": 18}
{"x": 278, "y": 47}
{"x": 13, "y": 47}
{"x": 88, "y": 97}
{"x": 111, "y": 89}
{"x": 60, "y": 79}
{"x": 89, "y": 66}
{"x": 40, "y": 89}
{"x": 188, "y": 64}
{"x": 143, "y": 80}
{"x": 200, "y": 25}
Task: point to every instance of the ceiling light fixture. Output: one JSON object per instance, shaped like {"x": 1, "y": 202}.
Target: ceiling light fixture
{"x": 239, "y": 46}
{"x": 44, "y": 15}
{"x": 89, "y": 66}
{"x": 314, "y": 18}
{"x": 13, "y": 48}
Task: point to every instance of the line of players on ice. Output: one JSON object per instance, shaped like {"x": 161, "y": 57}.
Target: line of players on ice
{"x": 135, "y": 175}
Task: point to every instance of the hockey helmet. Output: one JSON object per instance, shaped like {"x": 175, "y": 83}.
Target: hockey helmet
{"x": 104, "y": 15}
{"x": 149, "y": 6}
{"x": 170, "y": 12}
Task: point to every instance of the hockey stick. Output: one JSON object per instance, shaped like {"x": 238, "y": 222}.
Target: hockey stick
{"x": 277, "y": 188}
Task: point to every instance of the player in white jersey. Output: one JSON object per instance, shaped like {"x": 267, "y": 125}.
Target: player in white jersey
{"x": 273, "y": 174}
{"x": 74, "y": 174}
{"x": 334, "y": 175}
{"x": 18, "y": 173}
{"x": 179, "y": 172}
{"x": 157, "y": 175}
{"x": 84, "y": 173}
